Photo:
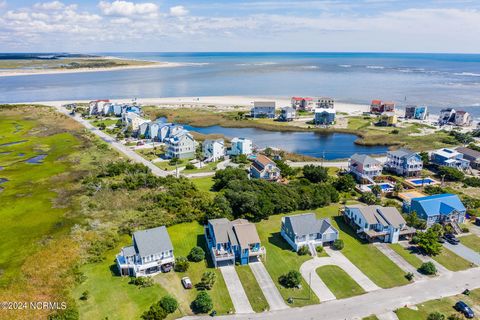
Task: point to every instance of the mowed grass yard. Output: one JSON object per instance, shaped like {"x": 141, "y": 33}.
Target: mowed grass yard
{"x": 252, "y": 289}
{"x": 444, "y": 306}
{"x": 472, "y": 241}
{"x": 406, "y": 254}
{"x": 339, "y": 282}
{"x": 451, "y": 261}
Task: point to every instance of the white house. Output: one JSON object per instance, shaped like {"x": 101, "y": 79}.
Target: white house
{"x": 404, "y": 162}
{"x": 132, "y": 119}
{"x": 324, "y": 102}
{"x": 378, "y": 223}
{"x": 306, "y": 230}
{"x": 151, "y": 252}
{"x": 213, "y": 150}
{"x": 365, "y": 167}
{"x": 181, "y": 145}
{"x": 96, "y": 107}
{"x": 241, "y": 146}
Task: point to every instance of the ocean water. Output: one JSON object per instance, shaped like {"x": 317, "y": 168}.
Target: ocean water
{"x": 436, "y": 80}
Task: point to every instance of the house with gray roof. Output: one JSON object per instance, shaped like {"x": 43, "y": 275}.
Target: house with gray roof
{"x": 232, "y": 241}
{"x": 471, "y": 155}
{"x": 364, "y": 167}
{"x": 306, "y": 230}
{"x": 377, "y": 223}
{"x": 404, "y": 162}
{"x": 151, "y": 252}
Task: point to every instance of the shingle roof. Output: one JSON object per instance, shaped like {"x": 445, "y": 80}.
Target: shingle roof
{"x": 307, "y": 223}
{"x": 152, "y": 241}
{"x": 222, "y": 228}
{"x": 365, "y": 159}
{"x": 402, "y": 153}
{"x": 246, "y": 232}
{"x": 128, "y": 251}
{"x": 380, "y": 215}
{"x": 438, "y": 204}
{"x": 469, "y": 152}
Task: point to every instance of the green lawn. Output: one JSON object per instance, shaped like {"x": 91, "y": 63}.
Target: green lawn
{"x": 444, "y": 306}
{"x": 252, "y": 289}
{"x": 472, "y": 241}
{"x": 339, "y": 282}
{"x": 184, "y": 237}
{"x": 204, "y": 183}
{"x": 407, "y": 255}
{"x": 372, "y": 317}
{"x": 112, "y": 296}
{"x": 280, "y": 259}
{"x": 378, "y": 267}
{"x": 207, "y": 167}
{"x": 451, "y": 261}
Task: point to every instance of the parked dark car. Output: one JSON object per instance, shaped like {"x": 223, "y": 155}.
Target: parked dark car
{"x": 451, "y": 239}
{"x": 462, "y": 307}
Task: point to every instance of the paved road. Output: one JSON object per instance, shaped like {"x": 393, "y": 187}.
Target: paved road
{"x": 464, "y": 252}
{"x": 270, "y": 291}
{"x": 387, "y": 316}
{"x": 235, "y": 289}
{"x": 116, "y": 145}
{"x": 398, "y": 260}
{"x": 352, "y": 270}
{"x": 333, "y": 164}
{"x": 375, "y": 302}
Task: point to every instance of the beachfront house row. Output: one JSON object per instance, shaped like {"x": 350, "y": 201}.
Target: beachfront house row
{"x": 441, "y": 208}
{"x": 241, "y": 146}
{"x": 324, "y": 116}
{"x": 143, "y": 129}
{"x": 96, "y": 107}
{"x": 376, "y": 223}
{"x": 263, "y": 109}
{"x": 181, "y": 145}
{"x": 151, "y": 252}
{"x": 324, "y": 102}
{"x": 232, "y": 241}
{"x": 133, "y": 120}
{"x": 404, "y": 162}
{"x": 416, "y": 112}
{"x": 213, "y": 150}
{"x": 364, "y": 167}
{"x": 302, "y": 103}
{"x": 287, "y": 114}
{"x": 306, "y": 230}
{"x": 264, "y": 168}
{"x": 449, "y": 158}
{"x": 463, "y": 118}
{"x": 471, "y": 155}
{"x": 379, "y": 107}
{"x": 447, "y": 116}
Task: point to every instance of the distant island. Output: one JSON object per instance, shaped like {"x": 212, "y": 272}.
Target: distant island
{"x": 13, "y": 64}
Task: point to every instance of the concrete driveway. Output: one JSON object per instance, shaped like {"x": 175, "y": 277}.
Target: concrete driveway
{"x": 464, "y": 252}
{"x": 398, "y": 260}
{"x": 270, "y": 291}
{"x": 235, "y": 289}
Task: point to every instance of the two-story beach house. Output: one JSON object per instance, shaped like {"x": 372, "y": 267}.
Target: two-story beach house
{"x": 287, "y": 114}
{"x": 324, "y": 102}
{"x": 449, "y": 158}
{"x": 416, "y": 112}
{"x": 241, "y": 146}
{"x": 384, "y": 224}
{"x": 263, "y": 109}
{"x": 324, "y": 116}
{"x": 264, "y": 168}
{"x": 133, "y": 120}
{"x": 447, "y": 116}
{"x": 151, "y": 252}
{"x": 181, "y": 145}
{"x": 306, "y": 230}
{"x": 364, "y": 167}
{"x": 471, "y": 155}
{"x": 404, "y": 162}
{"x": 379, "y": 107}
{"x": 302, "y": 103}
{"x": 463, "y": 118}
{"x": 213, "y": 150}
{"x": 232, "y": 241}
{"x": 439, "y": 208}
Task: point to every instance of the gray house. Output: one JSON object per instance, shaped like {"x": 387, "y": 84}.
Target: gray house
{"x": 263, "y": 109}
{"x": 306, "y": 230}
{"x": 471, "y": 155}
{"x": 151, "y": 252}
{"x": 287, "y": 114}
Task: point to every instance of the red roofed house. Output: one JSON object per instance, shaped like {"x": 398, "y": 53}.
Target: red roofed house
{"x": 302, "y": 103}
{"x": 379, "y": 107}
{"x": 264, "y": 168}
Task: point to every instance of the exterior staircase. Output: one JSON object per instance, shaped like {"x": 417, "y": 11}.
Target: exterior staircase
{"x": 313, "y": 249}
{"x": 456, "y": 227}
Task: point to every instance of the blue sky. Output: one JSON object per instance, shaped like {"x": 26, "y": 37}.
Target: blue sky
{"x": 254, "y": 25}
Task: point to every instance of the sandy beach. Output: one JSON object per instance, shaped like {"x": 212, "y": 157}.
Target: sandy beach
{"x": 223, "y": 102}
{"x": 29, "y": 72}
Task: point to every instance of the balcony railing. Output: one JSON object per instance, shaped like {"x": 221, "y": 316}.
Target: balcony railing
{"x": 260, "y": 251}
{"x": 222, "y": 254}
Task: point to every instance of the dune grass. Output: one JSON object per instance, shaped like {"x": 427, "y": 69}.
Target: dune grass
{"x": 339, "y": 282}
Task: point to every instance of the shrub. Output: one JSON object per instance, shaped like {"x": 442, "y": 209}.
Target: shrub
{"x": 196, "y": 254}
{"x": 156, "y": 312}
{"x": 315, "y": 174}
{"x": 303, "y": 250}
{"x": 455, "y": 317}
{"x": 174, "y": 161}
{"x": 338, "y": 244}
{"x": 292, "y": 279}
{"x": 451, "y": 174}
{"x": 465, "y": 230}
{"x": 85, "y": 295}
{"x": 345, "y": 183}
{"x": 189, "y": 166}
{"x": 409, "y": 276}
{"x": 472, "y": 182}
{"x": 169, "y": 304}
{"x": 142, "y": 282}
{"x": 181, "y": 264}
{"x": 428, "y": 268}
{"x": 369, "y": 198}
{"x": 395, "y": 131}
{"x": 207, "y": 281}
{"x": 428, "y": 242}
{"x": 319, "y": 249}
{"x": 202, "y": 303}
{"x": 415, "y": 240}
{"x": 436, "y": 316}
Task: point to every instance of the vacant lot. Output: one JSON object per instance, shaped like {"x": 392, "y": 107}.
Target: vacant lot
{"x": 472, "y": 241}
{"x": 339, "y": 282}
{"x": 409, "y": 256}
{"x": 451, "y": 261}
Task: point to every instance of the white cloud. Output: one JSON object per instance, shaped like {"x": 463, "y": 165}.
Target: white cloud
{"x": 53, "y": 5}
{"x": 126, "y": 8}
{"x": 178, "y": 11}
{"x": 3, "y": 4}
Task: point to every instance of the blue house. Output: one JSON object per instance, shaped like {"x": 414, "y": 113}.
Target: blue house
{"x": 263, "y": 109}
{"x": 450, "y": 158}
{"x": 439, "y": 208}
{"x": 404, "y": 162}
{"x": 324, "y": 116}
{"x": 232, "y": 241}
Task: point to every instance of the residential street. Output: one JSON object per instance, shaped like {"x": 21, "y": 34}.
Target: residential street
{"x": 376, "y": 302}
